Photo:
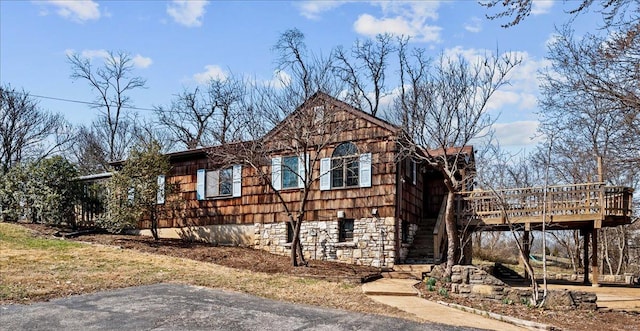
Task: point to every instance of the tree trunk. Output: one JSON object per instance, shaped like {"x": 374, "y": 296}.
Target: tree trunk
{"x": 452, "y": 233}
{"x": 576, "y": 240}
{"x": 622, "y": 245}
{"x": 154, "y": 226}
{"x": 605, "y": 250}
{"x": 294, "y": 243}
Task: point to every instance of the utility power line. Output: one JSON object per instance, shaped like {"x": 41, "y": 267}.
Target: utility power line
{"x": 85, "y": 102}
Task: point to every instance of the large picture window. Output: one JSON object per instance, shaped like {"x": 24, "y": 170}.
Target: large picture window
{"x": 345, "y": 168}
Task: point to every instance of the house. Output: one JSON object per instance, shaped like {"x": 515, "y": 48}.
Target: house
{"x": 365, "y": 203}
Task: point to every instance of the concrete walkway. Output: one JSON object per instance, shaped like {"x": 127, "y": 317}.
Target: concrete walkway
{"x": 401, "y": 294}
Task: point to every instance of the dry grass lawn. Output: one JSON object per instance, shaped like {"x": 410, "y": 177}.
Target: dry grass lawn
{"x": 34, "y": 269}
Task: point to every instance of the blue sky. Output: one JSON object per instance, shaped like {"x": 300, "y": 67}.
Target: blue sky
{"x": 180, "y": 44}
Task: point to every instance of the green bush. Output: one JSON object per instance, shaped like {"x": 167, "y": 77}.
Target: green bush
{"x": 430, "y": 281}
{"x": 41, "y": 192}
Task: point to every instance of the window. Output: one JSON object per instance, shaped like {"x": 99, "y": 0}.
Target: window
{"x": 289, "y": 232}
{"x": 345, "y": 165}
{"x": 224, "y": 182}
{"x": 410, "y": 170}
{"x": 345, "y": 231}
{"x": 288, "y": 172}
{"x": 225, "y": 177}
{"x": 160, "y": 193}
{"x": 345, "y": 168}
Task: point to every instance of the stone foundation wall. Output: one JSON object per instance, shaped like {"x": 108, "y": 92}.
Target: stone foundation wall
{"x": 373, "y": 241}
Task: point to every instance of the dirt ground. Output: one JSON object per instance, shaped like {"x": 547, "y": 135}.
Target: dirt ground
{"x": 261, "y": 261}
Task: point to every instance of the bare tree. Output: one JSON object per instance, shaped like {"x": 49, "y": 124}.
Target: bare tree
{"x": 291, "y": 118}
{"x": 26, "y": 131}
{"x": 365, "y": 74}
{"x": 443, "y": 108}
{"x": 614, "y": 12}
{"x": 112, "y": 82}
{"x": 590, "y": 102}
{"x": 305, "y": 72}
{"x": 88, "y": 152}
{"x": 203, "y": 118}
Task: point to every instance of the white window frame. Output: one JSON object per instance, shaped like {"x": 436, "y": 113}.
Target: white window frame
{"x": 277, "y": 171}
{"x": 208, "y": 183}
{"x": 364, "y": 175}
{"x": 161, "y": 190}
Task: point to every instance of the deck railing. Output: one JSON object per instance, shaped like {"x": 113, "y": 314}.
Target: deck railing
{"x": 578, "y": 202}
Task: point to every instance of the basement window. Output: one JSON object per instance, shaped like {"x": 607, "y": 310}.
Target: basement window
{"x": 345, "y": 232}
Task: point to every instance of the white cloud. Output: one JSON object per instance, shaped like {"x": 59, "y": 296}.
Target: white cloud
{"x": 522, "y": 91}
{"x": 93, "y": 53}
{"x": 402, "y": 18}
{"x": 138, "y": 60}
{"x": 141, "y": 61}
{"x": 313, "y": 9}
{"x": 187, "y": 12}
{"x": 211, "y": 72}
{"x": 474, "y": 26}
{"x": 78, "y": 11}
{"x": 540, "y": 7}
{"x": 519, "y": 133}
{"x": 280, "y": 79}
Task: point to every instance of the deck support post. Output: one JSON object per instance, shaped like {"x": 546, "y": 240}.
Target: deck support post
{"x": 526, "y": 247}
{"x": 594, "y": 258}
{"x": 585, "y": 256}
{"x": 467, "y": 247}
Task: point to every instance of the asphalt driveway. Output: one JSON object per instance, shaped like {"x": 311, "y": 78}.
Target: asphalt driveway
{"x": 183, "y": 307}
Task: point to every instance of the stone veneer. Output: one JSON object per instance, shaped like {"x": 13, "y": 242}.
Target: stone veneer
{"x": 373, "y": 241}
{"x": 471, "y": 281}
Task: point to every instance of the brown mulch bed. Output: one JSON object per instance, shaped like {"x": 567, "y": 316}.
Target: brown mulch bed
{"x": 233, "y": 257}
{"x": 562, "y": 319}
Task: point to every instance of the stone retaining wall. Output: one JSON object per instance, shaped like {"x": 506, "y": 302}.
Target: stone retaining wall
{"x": 471, "y": 281}
{"x": 373, "y": 241}
{"x": 617, "y": 279}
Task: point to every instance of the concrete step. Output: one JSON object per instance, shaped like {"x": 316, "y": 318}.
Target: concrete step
{"x": 391, "y": 287}
{"x": 415, "y": 270}
{"x": 398, "y": 275}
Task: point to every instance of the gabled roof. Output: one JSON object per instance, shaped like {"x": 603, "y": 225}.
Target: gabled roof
{"x": 326, "y": 98}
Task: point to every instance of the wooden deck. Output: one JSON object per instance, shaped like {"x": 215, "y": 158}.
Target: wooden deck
{"x": 568, "y": 206}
